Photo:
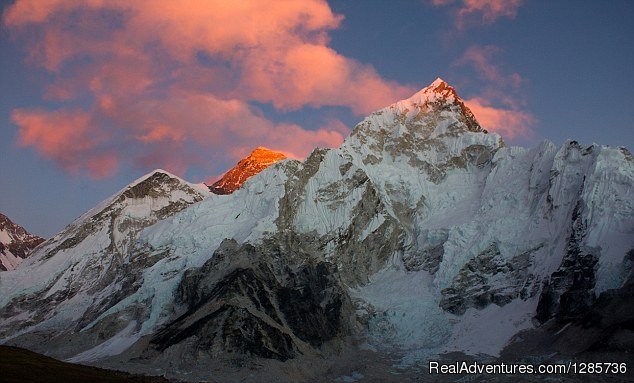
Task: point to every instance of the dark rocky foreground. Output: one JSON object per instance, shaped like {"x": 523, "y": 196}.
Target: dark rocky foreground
{"x": 18, "y": 365}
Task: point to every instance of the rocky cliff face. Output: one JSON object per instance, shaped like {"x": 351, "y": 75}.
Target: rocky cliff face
{"x": 421, "y": 233}
{"x": 583, "y": 331}
{"x": 15, "y": 243}
{"x": 257, "y": 301}
{"x": 260, "y": 159}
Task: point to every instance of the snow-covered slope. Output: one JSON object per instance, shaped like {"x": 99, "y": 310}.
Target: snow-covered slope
{"x": 15, "y": 243}
{"x": 440, "y": 236}
{"x": 91, "y": 264}
{"x": 260, "y": 159}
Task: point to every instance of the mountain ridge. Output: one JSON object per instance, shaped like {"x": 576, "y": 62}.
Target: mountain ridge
{"x": 421, "y": 233}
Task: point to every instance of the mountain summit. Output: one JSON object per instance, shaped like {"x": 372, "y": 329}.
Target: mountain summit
{"x": 440, "y": 96}
{"x": 438, "y": 88}
{"x": 259, "y": 159}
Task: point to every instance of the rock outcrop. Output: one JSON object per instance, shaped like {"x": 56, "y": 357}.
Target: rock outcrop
{"x": 248, "y": 300}
{"x": 15, "y": 243}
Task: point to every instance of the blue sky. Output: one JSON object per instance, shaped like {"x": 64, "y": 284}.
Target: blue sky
{"x": 548, "y": 69}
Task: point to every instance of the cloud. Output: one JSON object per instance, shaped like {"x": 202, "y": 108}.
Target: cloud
{"x": 168, "y": 84}
{"x": 509, "y": 123}
{"x": 477, "y": 12}
{"x": 481, "y": 58}
{"x": 316, "y": 75}
{"x": 499, "y": 104}
{"x": 65, "y": 137}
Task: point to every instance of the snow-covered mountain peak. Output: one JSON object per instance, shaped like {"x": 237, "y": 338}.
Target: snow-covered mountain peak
{"x": 161, "y": 174}
{"x": 112, "y": 225}
{"x": 436, "y": 111}
{"x": 15, "y": 243}
{"x": 261, "y": 150}
{"x": 439, "y": 89}
{"x": 264, "y": 155}
{"x": 155, "y": 183}
{"x": 438, "y": 96}
{"x": 259, "y": 159}
{"x": 428, "y": 134}
{"x": 153, "y": 173}
{"x": 438, "y": 81}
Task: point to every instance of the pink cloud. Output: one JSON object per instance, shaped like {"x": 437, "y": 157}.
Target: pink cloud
{"x": 442, "y": 3}
{"x": 295, "y": 142}
{"x": 482, "y": 60}
{"x": 161, "y": 133}
{"x": 498, "y": 106}
{"x": 66, "y": 137}
{"x": 316, "y": 75}
{"x": 335, "y": 125}
{"x": 507, "y": 122}
{"x": 30, "y": 11}
{"x": 467, "y": 12}
{"x": 164, "y": 77}
{"x": 102, "y": 165}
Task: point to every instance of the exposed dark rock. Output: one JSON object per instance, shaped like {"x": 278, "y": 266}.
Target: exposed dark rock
{"x": 343, "y": 169}
{"x": 20, "y": 243}
{"x": 478, "y": 155}
{"x": 489, "y": 278}
{"x": 361, "y": 257}
{"x": 605, "y": 330}
{"x": 338, "y": 191}
{"x": 358, "y": 252}
{"x": 295, "y": 187}
{"x": 429, "y": 258}
{"x": 467, "y": 117}
{"x": 241, "y": 303}
{"x": 312, "y": 303}
{"x": 570, "y": 291}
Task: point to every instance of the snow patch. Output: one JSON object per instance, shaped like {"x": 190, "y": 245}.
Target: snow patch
{"x": 113, "y": 346}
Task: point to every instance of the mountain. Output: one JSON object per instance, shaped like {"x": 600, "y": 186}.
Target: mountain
{"x": 91, "y": 264}
{"x": 15, "y": 243}
{"x": 421, "y": 235}
{"x": 260, "y": 159}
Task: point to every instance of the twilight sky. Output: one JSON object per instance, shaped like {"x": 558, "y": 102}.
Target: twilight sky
{"x": 95, "y": 93}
